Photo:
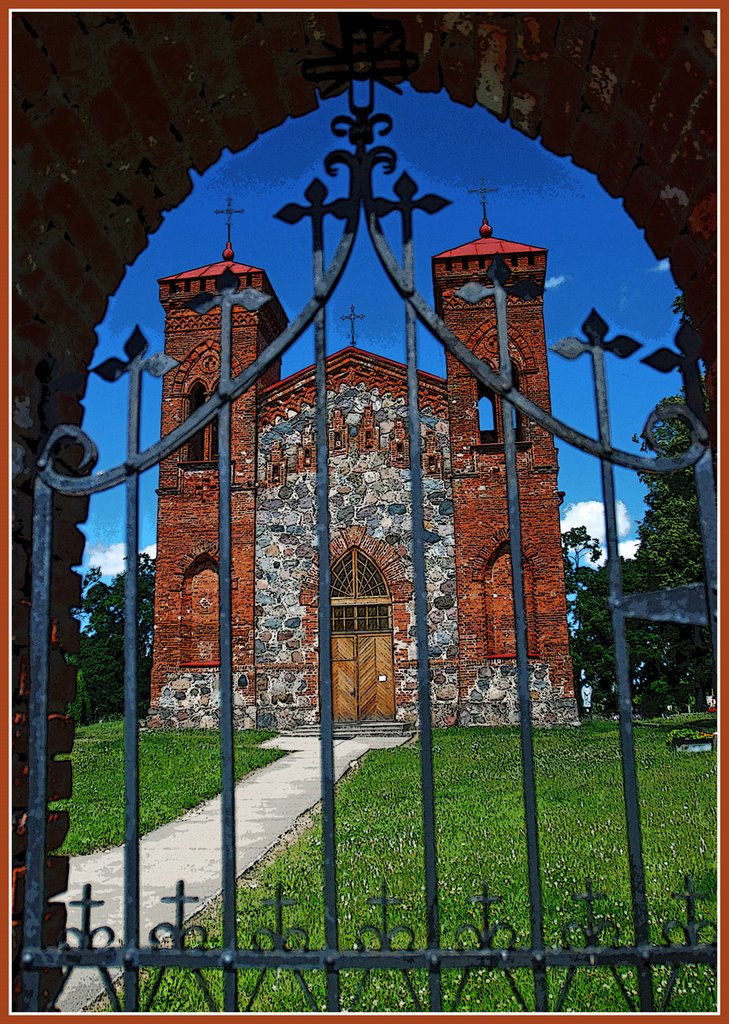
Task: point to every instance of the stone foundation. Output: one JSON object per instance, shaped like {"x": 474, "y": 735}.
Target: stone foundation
{"x": 287, "y": 699}
{"x": 494, "y": 700}
{"x": 191, "y": 700}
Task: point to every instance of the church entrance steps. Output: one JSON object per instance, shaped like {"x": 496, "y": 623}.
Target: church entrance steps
{"x": 348, "y": 730}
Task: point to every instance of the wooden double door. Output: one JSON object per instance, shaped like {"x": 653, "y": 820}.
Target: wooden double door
{"x": 363, "y": 682}
{"x": 362, "y": 677}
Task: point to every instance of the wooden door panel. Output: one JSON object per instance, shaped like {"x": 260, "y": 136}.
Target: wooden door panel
{"x": 367, "y": 673}
{"x": 386, "y": 686}
{"x": 344, "y": 678}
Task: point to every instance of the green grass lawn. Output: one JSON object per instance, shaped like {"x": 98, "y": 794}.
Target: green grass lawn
{"x": 481, "y": 837}
{"x": 177, "y": 771}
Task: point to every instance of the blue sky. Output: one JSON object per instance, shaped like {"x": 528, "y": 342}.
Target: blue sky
{"x": 597, "y": 257}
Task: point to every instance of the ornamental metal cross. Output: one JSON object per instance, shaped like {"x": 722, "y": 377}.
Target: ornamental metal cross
{"x": 279, "y": 902}
{"x": 352, "y": 316}
{"x": 483, "y": 191}
{"x": 229, "y": 211}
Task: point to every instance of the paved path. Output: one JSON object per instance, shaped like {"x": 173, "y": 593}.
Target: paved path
{"x": 268, "y": 802}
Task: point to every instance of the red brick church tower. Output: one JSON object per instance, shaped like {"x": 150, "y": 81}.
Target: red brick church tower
{"x": 487, "y": 647}
{"x": 186, "y": 656}
{"x": 274, "y": 548}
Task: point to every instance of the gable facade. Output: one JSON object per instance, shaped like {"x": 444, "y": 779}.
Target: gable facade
{"x": 274, "y": 559}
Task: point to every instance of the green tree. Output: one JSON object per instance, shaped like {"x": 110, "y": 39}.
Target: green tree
{"x": 669, "y": 664}
{"x": 671, "y": 555}
{"x": 100, "y": 658}
{"x": 590, "y": 623}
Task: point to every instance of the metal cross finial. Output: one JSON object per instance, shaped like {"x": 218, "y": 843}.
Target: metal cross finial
{"x": 179, "y": 899}
{"x": 86, "y": 903}
{"x": 229, "y": 211}
{"x": 483, "y": 191}
{"x": 590, "y": 898}
{"x": 690, "y": 897}
{"x": 279, "y": 902}
{"x": 352, "y": 316}
{"x": 485, "y": 900}
{"x": 384, "y": 901}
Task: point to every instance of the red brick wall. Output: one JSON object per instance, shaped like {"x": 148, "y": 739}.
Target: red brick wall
{"x": 485, "y": 623}
{"x": 187, "y": 512}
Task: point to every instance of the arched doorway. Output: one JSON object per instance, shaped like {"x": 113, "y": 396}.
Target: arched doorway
{"x": 362, "y": 666}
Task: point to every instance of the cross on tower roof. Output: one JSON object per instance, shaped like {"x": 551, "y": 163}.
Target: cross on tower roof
{"x": 483, "y": 190}
{"x": 228, "y": 253}
{"x": 352, "y": 316}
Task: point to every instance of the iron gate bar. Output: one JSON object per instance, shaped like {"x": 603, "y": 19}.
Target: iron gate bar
{"x": 522, "y": 664}
{"x": 131, "y": 735}
{"x": 148, "y": 457}
{"x": 326, "y": 696}
{"x": 345, "y": 959}
{"x": 227, "y": 750}
{"x": 42, "y": 568}
{"x": 622, "y": 672}
{"x": 425, "y": 721}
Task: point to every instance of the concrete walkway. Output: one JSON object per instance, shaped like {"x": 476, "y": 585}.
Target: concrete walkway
{"x": 267, "y": 804}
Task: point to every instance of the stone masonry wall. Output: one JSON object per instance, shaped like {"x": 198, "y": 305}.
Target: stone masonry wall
{"x": 190, "y": 699}
{"x": 370, "y": 502}
{"x": 494, "y": 700}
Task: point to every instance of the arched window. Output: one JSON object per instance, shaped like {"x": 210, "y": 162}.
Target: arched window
{"x": 360, "y": 599}
{"x": 487, "y": 415}
{"x": 199, "y": 614}
{"x": 491, "y": 412}
{"x": 203, "y": 446}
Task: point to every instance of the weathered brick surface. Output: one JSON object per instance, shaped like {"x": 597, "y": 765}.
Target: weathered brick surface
{"x": 79, "y": 120}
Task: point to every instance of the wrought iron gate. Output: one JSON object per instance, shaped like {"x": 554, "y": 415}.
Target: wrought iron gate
{"x": 363, "y": 58}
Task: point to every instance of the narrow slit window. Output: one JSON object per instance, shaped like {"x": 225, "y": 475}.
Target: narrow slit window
{"x": 487, "y": 428}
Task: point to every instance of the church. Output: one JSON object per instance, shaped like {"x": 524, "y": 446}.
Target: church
{"x": 274, "y": 556}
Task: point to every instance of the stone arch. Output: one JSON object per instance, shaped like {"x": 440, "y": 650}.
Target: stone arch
{"x": 193, "y": 367}
{"x": 497, "y": 539}
{"x": 205, "y": 549}
{"x": 387, "y": 558}
{"x": 483, "y": 340}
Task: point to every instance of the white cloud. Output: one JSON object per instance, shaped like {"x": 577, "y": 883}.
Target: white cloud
{"x": 110, "y": 558}
{"x": 107, "y": 557}
{"x": 661, "y": 267}
{"x": 628, "y": 548}
{"x": 555, "y": 282}
{"x": 591, "y": 515}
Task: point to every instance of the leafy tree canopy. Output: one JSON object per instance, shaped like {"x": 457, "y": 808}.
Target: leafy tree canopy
{"x": 100, "y": 658}
{"x": 670, "y": 664}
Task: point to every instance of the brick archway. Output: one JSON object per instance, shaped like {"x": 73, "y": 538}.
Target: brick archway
{"x": 110, "y": 110}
